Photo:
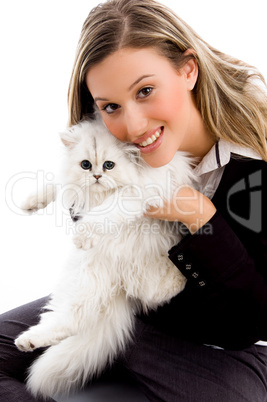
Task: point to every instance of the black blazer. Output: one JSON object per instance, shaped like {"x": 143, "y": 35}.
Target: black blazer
{"x": 224, "y": 302}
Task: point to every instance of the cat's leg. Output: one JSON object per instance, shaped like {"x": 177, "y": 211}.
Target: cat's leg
{"x": 74, "y": 305}
{"x": 50, "y": 331}
{"x": 74, "y": 361}
{"x": 169, "y": 284}
{"x": 68, "y": 313}
{"x": 160, "y": 283}
{"x": 40, "y": 199}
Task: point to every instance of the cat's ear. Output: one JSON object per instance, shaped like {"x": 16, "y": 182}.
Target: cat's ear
{"x": 68, "y": 138}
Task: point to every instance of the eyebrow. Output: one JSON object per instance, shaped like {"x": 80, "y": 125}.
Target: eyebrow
{"x": 130, "y": 87}
{"x": 100, "y": 99}
{"x": 140, "y": 79}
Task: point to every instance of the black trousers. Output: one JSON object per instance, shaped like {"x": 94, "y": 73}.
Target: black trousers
{"x": 166, "y": 368}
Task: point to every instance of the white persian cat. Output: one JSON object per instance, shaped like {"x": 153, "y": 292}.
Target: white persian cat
{"x": 119, "y": 265}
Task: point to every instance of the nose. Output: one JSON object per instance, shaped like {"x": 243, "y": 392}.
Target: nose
{"x": 136, "y": 122}
{"x": 97, "y": 176}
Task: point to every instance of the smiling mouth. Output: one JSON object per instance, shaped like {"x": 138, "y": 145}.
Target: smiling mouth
{"x": 152, "y": 139}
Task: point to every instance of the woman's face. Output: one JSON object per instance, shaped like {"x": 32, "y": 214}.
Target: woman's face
{"x": 144, "y": 100}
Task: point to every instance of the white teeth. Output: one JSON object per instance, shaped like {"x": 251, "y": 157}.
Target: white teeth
{"x": 151, "y": 139}
{"x": 143, "y": 144}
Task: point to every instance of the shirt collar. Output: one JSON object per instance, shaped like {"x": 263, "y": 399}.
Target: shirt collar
{"x": 220, "y": 155}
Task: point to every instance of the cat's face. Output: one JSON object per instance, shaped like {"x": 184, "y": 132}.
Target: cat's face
{"x": 96, "y": 160}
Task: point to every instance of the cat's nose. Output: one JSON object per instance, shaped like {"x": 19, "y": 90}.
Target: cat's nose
{"x": 97, "y": 176}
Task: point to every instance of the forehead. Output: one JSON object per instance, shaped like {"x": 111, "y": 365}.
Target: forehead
{"x": 124, "y": 67}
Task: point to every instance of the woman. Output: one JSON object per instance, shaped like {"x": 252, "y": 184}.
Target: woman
{"x": 160, "y": 86}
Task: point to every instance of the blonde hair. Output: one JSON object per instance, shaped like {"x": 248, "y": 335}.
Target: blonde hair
{"x": 232, "y": 104}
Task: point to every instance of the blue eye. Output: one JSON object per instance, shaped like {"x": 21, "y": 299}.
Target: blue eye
{"x": 86, "y": 165}
{"x": 108, "y": 165}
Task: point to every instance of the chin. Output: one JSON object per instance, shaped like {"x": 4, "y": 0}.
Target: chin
{"x": 157, "y": 161}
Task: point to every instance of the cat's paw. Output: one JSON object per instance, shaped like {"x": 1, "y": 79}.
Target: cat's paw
{"x": 32, "y": 339}
{"x": 40, "y": 199}
{"x": 86, "y": 242}
{"x": 33, "y": 204}
{"x": 27, "y": 343}
{"x": 86, "y": 236}
{"x": 173, "y": 283}
{"x": 168, "y": 286}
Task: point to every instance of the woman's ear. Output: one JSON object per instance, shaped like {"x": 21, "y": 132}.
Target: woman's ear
{"x": 190, "y": 70}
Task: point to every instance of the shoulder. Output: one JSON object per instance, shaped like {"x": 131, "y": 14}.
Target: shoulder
{"x": 245, "y": 169}
{"x": 248, "y": 162}
{"x": 242, "y": 194}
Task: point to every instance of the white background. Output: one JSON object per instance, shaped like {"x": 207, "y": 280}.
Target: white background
{"x": 38, "y": 44}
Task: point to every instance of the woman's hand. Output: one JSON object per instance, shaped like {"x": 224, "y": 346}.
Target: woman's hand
{"x": 188, "y": 206}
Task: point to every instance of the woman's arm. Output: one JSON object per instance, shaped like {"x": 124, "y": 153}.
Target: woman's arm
{"x": 225, "y": 263}
{"x": 230, "y": 289}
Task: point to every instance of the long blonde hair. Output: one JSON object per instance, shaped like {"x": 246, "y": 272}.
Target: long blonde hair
{"x": 232, "y": 103}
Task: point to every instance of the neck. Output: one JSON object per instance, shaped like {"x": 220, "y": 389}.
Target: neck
{"x": 200, "y": 140}
{"x": 203, "y": 146}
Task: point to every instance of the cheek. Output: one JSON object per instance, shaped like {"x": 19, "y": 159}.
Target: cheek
{"x": 173, "y": 101}
{"x": 174, "y": 108}
{"x": 115, "y": 127}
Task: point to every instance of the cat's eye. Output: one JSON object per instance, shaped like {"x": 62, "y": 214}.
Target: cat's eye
{"x": 86, "y": 165}
{"x": 108, "y": 165}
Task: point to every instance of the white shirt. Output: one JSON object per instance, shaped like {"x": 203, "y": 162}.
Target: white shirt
{"x": 211, "y": 168}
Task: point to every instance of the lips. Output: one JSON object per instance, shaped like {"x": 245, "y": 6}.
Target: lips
{"x": 151, "y": 140}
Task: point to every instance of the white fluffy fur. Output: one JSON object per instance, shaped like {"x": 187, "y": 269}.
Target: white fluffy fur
{"x": 110, "y": 274}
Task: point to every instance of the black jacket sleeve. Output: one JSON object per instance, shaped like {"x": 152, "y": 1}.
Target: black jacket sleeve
{"x": 225, "y": 299}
